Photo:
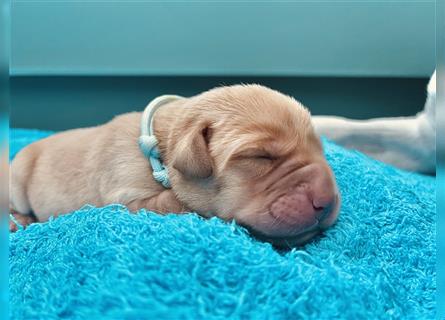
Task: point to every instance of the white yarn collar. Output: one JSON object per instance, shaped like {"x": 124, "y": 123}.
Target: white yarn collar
{"x": 148, "y": 142}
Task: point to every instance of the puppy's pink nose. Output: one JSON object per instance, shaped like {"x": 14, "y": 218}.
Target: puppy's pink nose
{"x": 312, "y": 202}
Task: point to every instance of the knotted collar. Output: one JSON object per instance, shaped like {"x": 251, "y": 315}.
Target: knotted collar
{"x": 148, "y": 142}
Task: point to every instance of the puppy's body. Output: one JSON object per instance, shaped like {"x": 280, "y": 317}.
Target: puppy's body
{"x": 97, "y": 166}
{"x": 244, "y": 152}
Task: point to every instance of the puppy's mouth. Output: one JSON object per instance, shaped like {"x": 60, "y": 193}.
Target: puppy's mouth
{"x": 289, "y": 242}
{"x": 289, "y": 239}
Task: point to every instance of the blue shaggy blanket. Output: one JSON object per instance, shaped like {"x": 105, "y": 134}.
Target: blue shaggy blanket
{"x": 377, "y": 262}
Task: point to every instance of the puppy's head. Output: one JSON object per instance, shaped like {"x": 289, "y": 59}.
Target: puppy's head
{"x": 250, "y": 153}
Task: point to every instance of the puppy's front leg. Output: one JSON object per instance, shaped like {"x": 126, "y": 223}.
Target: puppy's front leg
{"x": 165, "y": 202}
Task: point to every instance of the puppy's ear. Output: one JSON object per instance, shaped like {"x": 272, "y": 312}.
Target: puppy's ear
{"x": 192, "y": 156}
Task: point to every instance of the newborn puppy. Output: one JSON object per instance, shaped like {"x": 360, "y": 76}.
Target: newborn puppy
{"x": 243, "y": 152}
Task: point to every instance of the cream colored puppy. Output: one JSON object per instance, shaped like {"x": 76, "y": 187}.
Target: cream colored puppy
{"x": 243, "y": 152}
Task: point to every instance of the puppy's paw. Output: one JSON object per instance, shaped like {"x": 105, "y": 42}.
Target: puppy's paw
{"x": 165, "y": 202}
{"x": 23, "y": 220}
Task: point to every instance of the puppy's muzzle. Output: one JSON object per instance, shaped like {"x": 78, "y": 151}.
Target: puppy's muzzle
{"x": 312, "y": 202}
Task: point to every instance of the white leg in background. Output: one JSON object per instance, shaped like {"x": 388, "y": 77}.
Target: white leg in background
{"x": 397, "y": 141}
{"x": 406, "y": 142}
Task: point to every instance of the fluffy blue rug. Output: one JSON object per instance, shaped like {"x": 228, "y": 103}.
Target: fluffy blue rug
{"x": 378, "y": 262}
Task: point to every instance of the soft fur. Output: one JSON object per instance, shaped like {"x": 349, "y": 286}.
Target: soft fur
{"x": 377, "y": 262}
{"x": 243, "y": 152}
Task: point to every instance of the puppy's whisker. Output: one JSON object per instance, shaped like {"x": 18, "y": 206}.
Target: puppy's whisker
{"x": 288, "y": 244}
{"x": 276, "y": 222}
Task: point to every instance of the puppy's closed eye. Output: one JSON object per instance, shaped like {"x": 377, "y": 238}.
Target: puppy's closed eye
{"x": 264, "y": 156}
{"x": 257, "y": 154}
{"x": 255, "y": 162}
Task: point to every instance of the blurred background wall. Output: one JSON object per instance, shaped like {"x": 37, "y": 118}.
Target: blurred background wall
{"x": 79, "y": 63}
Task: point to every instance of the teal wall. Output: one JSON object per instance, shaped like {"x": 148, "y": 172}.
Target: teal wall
{"x": 68, "y": 102}
{"x": 207, "y": 38}
{"x": 78, "y": 63}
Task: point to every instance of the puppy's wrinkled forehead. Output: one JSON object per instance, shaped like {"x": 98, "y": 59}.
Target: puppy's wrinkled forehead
{"x": 246, "y": 117}
{"x": 256, "y": 112}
